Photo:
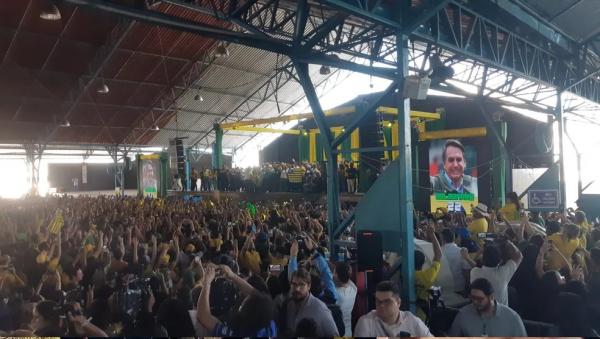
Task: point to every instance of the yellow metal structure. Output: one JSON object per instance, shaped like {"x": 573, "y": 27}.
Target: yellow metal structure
{"x": 415, "y": 115}
{"x": 453, "y": 133}
{"x": 264, "y": 130}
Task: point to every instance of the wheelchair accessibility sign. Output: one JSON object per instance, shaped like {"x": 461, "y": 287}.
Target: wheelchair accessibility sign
{"x": 543, "y": 199}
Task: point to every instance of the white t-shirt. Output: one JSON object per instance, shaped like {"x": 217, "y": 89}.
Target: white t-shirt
{"x": 498, "y": 277}
{"x": 370, "y": 325}
{"x": 346, "y": 298}
{"x": 457, "y": 264}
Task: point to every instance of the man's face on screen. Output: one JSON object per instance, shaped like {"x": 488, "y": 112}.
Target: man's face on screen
{"x": 455, "y": 163}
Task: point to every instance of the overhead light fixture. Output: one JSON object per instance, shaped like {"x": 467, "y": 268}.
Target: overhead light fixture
{"x": 439, "y": 72}
{"x": 50, "y": 13}
{"x": 221, "y": 51}
{"x": 155, "y": 128}
{"x": 198, "y": 97}
{"x": 324, "y": 70}
{"x": 103, "y": 89}
{"x": 65, "y": 123}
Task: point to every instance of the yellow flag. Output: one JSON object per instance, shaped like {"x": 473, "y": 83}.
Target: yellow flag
{"x": 57, "y": 224}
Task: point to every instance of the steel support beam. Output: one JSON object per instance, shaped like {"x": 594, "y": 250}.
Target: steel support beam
{"x": 333, "y": 191}
{"x": 561, "y": 151}
{"x": 406, "y": 206}
{"x": 364, "y": 111}
{"x": 33, "y": 158}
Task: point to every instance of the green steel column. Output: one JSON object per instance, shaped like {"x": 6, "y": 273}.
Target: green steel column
{"x": 406, "y": 244}
{"x": 303, "y": 147}
{"x": 217, "y": 154}
{"x": 499, "y": 165}
{"x": 561, "y": 150}
{"x": 414, "y": 139}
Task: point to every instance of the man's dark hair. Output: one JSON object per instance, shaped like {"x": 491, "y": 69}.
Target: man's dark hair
{"x": 419, "y": 260}
{"x": 303, "y": 275}
{"x": 343, "y": 270}
{"x": 49, "y": 310}
{"x": 256, "y": 313}
{"x": 453, "y": 143}
{"x": 492, "y": 256}
{"x": 447, "y": 236}
{"x": 537, "y": 240}
{"x": 306, "y": 328}
{"x": 482, "y": 285}
{"x": 388, "y": 286}
{"x": 595, "y": 255}
{"x": 572, "y": 231}
{"x": 552, "y": 226}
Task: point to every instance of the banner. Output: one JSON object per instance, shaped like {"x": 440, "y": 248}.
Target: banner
{"x": 57, "y": 224}
{"x": 453, "y": 175}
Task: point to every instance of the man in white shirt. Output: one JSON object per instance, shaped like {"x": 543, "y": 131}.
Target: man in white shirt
{"x": 498, "y": 275}
{"x": 458, "y": 265}
{"x": 387, "y": 320}
{"x": 346, "y": 291}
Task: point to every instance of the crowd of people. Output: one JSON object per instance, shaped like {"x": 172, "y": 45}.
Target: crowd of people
{"x": 123, "y": 266}
{"x": 300, "y": 177}
{"x": 513, "y": 270}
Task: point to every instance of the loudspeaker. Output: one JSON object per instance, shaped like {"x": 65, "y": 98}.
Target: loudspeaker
{"x": 369, "y": 250}
{"x": 179, "y": 149}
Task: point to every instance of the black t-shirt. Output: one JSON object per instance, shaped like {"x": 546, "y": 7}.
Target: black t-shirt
{"x": 351, "y": 173}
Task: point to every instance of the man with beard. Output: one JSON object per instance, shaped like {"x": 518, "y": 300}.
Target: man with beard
{"x": 485, "y": 316}
{"x": 303, "y": 305}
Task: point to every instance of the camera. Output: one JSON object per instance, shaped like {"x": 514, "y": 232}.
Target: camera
{"x": 132, "y": 297}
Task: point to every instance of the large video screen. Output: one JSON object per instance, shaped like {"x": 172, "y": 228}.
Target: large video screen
{"x": 453, "y": 175}
{"x": 150, "y": 177}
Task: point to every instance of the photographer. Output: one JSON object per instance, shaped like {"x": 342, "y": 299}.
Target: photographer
{"x": 424, "y": 278}
{"x": 254, "y": 317}
{"x": 494, "y": 271}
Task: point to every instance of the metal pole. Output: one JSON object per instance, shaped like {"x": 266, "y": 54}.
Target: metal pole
{"x": 578, "y": 154}
{"x": 561, "y": 150}
{"x": 333, "y": 192}
{"x": 406, "y": 244}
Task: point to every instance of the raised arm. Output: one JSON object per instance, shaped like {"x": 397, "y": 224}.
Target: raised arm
{"x": 465, "y": 255}
{"x": 437, "y": 249}
{"x": 514, "y": 253}
{"x": 154, "y": 249}
{"x": 136, "y": 243}
{"x": 242, "y": 284}
{"x": 176, "y": 244}
{"x": 293, "y": 263}
{"x": 203, "y": 307}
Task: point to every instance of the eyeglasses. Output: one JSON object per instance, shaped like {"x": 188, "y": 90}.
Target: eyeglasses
{"x": 477, "y": 298}
{"x": 385, "y": 302}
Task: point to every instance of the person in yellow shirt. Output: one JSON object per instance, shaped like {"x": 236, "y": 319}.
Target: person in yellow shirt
{"x": 565, "y": 242}
{"x": 512, "y": 209}
{"x": 249, "y": 257}
{"x": 584, "y": 227}
{"x": 479, "y": 223}
{"x": 424, "y": 278}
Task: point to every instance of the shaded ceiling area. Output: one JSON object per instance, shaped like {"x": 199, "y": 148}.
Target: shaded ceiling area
{"x": 51, "y": 71}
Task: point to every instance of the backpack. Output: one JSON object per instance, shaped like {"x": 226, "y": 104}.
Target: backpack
{"x": 338, "y": 317}
{"x": 336, "y": 313}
